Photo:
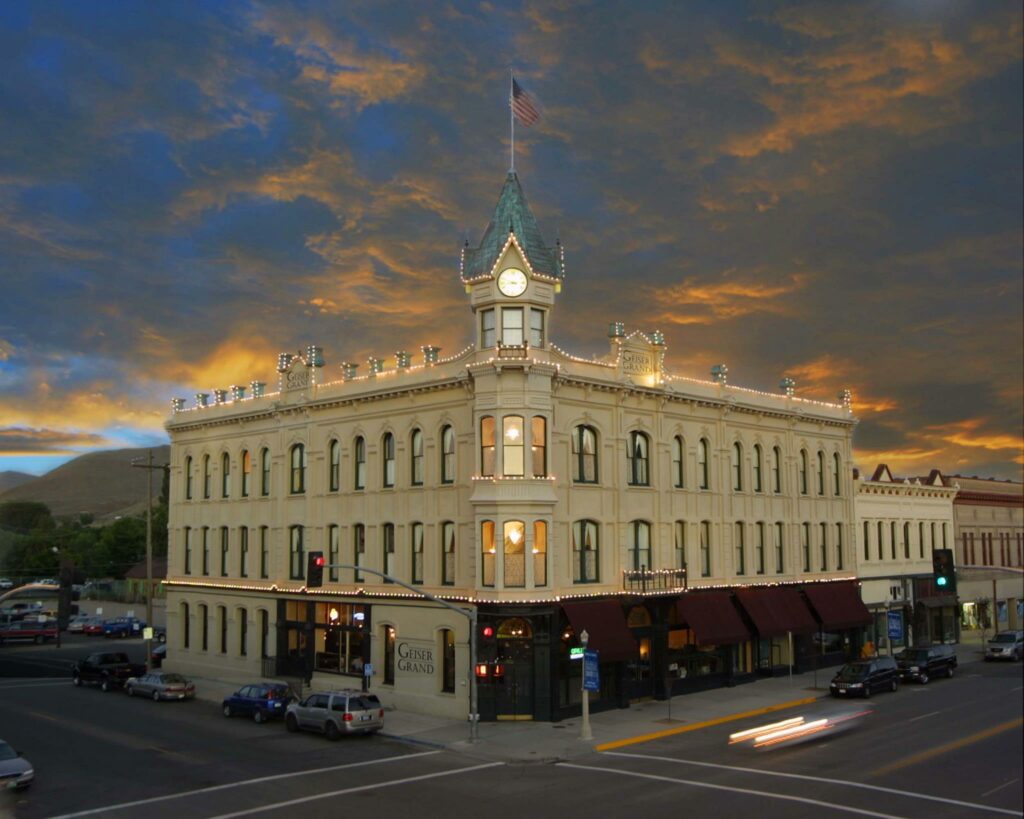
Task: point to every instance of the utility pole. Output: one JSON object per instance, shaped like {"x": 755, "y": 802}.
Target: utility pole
{"x": 585, "y": 733}
{"x": 149, "y": 467}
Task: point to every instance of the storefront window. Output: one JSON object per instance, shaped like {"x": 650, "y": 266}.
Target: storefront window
{"x": 340, "y": 638}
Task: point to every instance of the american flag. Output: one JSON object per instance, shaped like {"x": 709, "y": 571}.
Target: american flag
{"x": 524, "y": 106}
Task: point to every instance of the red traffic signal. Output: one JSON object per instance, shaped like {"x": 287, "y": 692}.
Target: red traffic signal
{"x": 487, "y": 632}
{"x": 315, "y": 570}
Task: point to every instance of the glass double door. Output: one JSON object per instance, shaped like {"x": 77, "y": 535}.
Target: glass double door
{"x": 514, "y": 685}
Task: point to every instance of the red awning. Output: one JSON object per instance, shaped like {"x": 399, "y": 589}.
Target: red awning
{"x": 838, "y": 605}
{"x": 777, "y": 610}
{"x": 606, "y": 627}
{"x": 713, "y": 618}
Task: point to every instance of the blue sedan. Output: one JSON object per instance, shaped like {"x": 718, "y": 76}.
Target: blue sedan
{"x": 123, "y": 627}
{"x": 261, "y": 701}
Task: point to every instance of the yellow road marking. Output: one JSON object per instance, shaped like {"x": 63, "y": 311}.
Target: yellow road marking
{"x": 668, "y": 732}
{"x": 949, "y": 746}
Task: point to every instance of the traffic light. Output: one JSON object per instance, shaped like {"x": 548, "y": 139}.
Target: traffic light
{"x": 944, "y": 572}
{"x": 314, "y": 570}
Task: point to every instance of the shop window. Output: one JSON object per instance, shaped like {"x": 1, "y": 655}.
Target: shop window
{"x": 515, "y": 628}
{"x": 243, "y": 551}
{"x": 447, "y": 661}
{"x": 584, "y": 454}
{"x": 705, "y": 548}
{"x": 298, "y": 469}
{"x": 188, "y": 550}
{"x": 340, "y": 641}
{"x": 487, "y": 328}
{"x": 359, "y": 462}
{"x": 264, "y": 552}
{"x": 296, "y": 554}
{"x": 416, "y": 458}
{"x": 387, "y": 446}
{"x": 515, "y": 553}
{"x": 206, "y": 477}
{"x": 225, "y": 475}
{"x": 639, "y": 459}
{"x": 758, "y": 487}
{"x": 265, "y": 472}
{"x": 334, "y": 465}
{"x": 447, "y": 553}
{"x": 388, "y": 548}
{"x": 416, "y": 536}
{"x": 487, "y": 446}
{"x": 586, "y": 550}
{"x": 640, "y": 544}
{"x": 512, "y": 445}
{"x": 703, "y": 468}
{"x": 186, "y": 625}
{"x": 389, "y": 655}
{"x": 740, "y": 547}
{"x": 224, "y": 548}
{"x": 737, "y": 467}
{"x": 538, "y": 446}
{"x": 246, "y": 472}
{"x": 540, "y": 553}
{"x": 188, "y": 478}
{"x": 358, "y": 549}
{"x": 333, "y": 542}
{"x": 447, "y": 454}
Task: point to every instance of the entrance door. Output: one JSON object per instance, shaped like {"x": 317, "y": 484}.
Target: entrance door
{"x": 513, "y": 680}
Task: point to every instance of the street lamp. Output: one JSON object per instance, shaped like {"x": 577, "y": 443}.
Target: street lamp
{"x": 585, "y": 733}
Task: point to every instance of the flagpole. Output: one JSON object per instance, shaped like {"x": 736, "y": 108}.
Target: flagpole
{"x": 511, "y": 125}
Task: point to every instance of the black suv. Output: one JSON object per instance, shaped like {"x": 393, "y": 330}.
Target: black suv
{"x": 864, "y": 677}
{"x": 922, "y": 664}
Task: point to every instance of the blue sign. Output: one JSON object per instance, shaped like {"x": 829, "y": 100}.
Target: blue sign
{"x": 591, "y": 678}
{"x": 895, "y": 625}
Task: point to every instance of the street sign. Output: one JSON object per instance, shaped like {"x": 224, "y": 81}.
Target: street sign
{"x": 367, "y": 669}
{"x": 147, "y": 633}
{"x": 895, "y": 619}
{"x": 576, "y": 653}
{"x": 591, "y": 678}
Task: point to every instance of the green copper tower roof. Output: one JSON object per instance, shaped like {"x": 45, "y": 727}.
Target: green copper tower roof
{"x": 512, "y": 214}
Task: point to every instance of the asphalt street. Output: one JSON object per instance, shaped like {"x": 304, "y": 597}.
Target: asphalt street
{"x": 952, "y": 748}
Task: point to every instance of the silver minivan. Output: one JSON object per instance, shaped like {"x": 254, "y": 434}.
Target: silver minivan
{"x": 334, "y": 713}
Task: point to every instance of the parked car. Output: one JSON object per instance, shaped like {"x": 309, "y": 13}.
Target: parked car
{"x": 334, "y": 713}
{"x": 1006, "y": 645}
{"x": 921, "y": 664}
{"x": 123, "y": 627}
{"x": 160, "y": 634}
{"x": 6, "y": 583}
{"x": 158, "y": 655}
{"x": 35, "y": 631}
{"x": 15, "y": 771}
{"x": 76, "y": 625}
{"x": 108, "y": 669}
{"x": 160, "y": 685}
{"x": 261, "y": 701}
{"x": 94, "y": 626}
{"x": 864, "y": 677}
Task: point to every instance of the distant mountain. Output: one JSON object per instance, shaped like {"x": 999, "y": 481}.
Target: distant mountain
{"x": 103, "y": 484}
{"x": 11, "y": 479}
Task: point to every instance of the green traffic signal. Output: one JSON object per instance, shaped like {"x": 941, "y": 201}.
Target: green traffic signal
{"x": 940, "y": 581}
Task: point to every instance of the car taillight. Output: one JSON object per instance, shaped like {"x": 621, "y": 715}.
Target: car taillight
{"x": 381, "y": 713}
{"x": 347, "y": 718}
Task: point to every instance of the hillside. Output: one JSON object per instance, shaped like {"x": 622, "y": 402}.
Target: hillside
{"x": 100, "y": 483}
{"x": 11, "y": 479}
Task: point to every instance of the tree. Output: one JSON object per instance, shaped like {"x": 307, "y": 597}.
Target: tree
{"x": 25, "y": 516}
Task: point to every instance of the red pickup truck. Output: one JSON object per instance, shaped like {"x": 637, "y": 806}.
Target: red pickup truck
{"x": 31, "y": 630}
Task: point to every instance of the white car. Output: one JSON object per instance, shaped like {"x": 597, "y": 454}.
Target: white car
{"x": 15, "y": 771}
{"x": 6, "y": 583}
{"x": 1006, "y": 645}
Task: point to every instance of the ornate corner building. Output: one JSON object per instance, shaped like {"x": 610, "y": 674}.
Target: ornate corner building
{"x": 702, "y": 533}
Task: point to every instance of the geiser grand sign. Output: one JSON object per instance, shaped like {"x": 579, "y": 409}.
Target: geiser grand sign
{"x": 415, "y": 658}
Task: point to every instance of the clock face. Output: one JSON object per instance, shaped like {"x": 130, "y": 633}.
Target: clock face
{"x": 512, "y": 282}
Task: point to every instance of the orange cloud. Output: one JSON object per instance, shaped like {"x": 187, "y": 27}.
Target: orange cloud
{"x": 966, "y": 433}
{"x": 32, "y": 441}
{"x": 692, "y": 303}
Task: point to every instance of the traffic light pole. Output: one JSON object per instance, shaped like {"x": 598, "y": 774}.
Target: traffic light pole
{"x": 469, "y": 614}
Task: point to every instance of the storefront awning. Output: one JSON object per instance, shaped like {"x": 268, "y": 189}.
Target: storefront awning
{"x": 838, "y": 605}
{"x": 777, "y": 610}
{"x": 713, "y": 618}
{"x": 606, "y": 626}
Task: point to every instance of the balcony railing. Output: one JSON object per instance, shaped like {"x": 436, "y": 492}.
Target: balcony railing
{"x": 651, "y": 580}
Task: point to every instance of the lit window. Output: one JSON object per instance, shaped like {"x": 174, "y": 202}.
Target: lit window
{"x": 487, "y": 446}
{"x": 512, "y": 445}
{"x": 540, "y": 553}
{"x": 538, "y": 446}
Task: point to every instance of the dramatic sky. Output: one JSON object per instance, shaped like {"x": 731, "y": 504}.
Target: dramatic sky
{"x": 828, "y": 192}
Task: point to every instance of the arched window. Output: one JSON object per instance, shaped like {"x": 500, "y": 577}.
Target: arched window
{"x": 881, "y": 540}
{"x": 206, "y": 477}
{"x": 678, "y": 462}
{"x": 515, "y": 553}
{"x": 705, "y": 548}
{"x": 243, "y": 551}
{"x": 538, "y": 446}
{"x": 586, "y": 550}
{"x": 264, "y": 552}
{"x": 920, "y": 539}
{"x": 487, "y": 446}
{"x": 837, "y": 477}
{"x": 416, "y": 544}
{"x": 640, "y": 544}
{"x": 359, "y": 462}
{"x": 805, "y": 545}
{"x": 821, "y": 473}
{"x": 296, "y": 554}
{"x": 416, "y": 458}
{"x": 264, "y": 633}
{"x": 188, "y": 478}
{"x": 639, "y": 459}
{"x": 298, "y": 472}
{"x": 188, "y": 550}
{"x": 243, "y": 632}
{"x": 737, "y": 467}
{"x": 892, "y": 539}
{"x": 222, "y": 627}
{"x": 206, "y": 550}
{"x": 758, "y": 485}
{"x": 759, "y": 561}
{"x": 246, "y": 472}
{"x": 447, "y": 661}
{"x": 741, "y": 548}
{"x": 333, "y": 551}
{"x": 512, "y": 446}
{"x": 584, "y": 454}
{"x": 447, "y": 553}
{"x": 680, "y": 544}
{"x": 225, "y": 475}
{"x": 824, "y": 547}
{"x": 204, "y": 626}
{"x": 803, "y": 471}
{"x": 540, "y": 553}
{"x": 334, "y": 465}
{"x": 387, "y": 453}
{"x": 225, "y": 546}
{"x": 488, "y": 552}
{"x": 358, "y": 549}
{"x": 388, "y": 549}
{"x": 447, "y": 454}
{"x": 265, "y": 472}
{"x": 186, "y": 630}
{"x": 776, "y": 470}
{"x": 780, "y": 547}
{"x": 839, "y": 547}
{"x": 867, "y": 540}
{"x": 906, "y": 541}
{"x": 703, "y": 470}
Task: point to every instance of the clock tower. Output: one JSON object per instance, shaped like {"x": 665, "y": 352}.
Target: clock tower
{"x": 512, "y": 277}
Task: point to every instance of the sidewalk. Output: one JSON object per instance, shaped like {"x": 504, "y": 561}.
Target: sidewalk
{"x": 538, "y": 742}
